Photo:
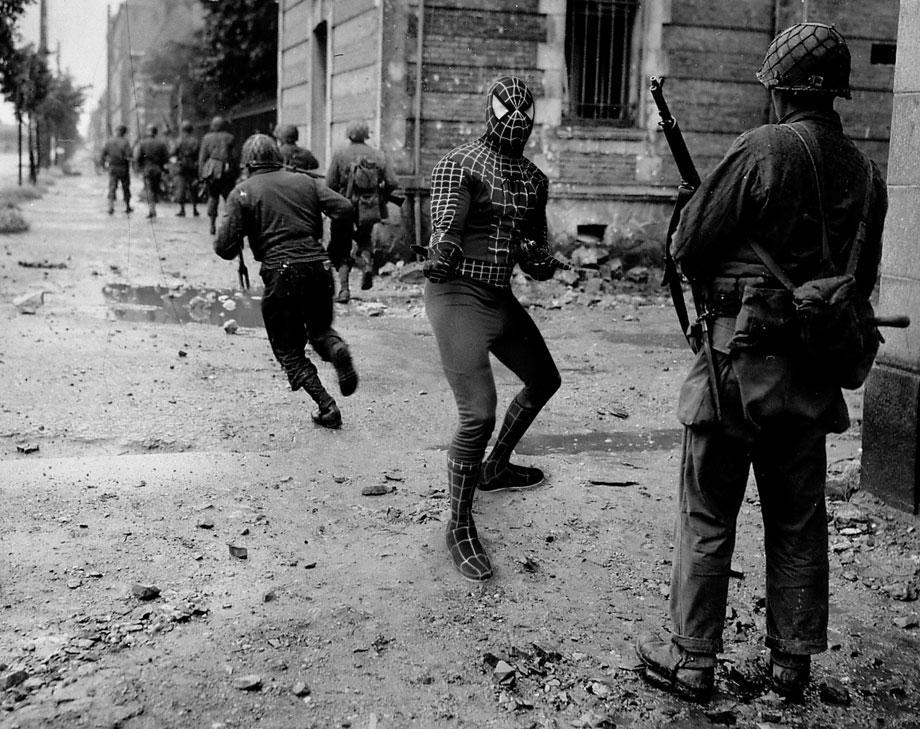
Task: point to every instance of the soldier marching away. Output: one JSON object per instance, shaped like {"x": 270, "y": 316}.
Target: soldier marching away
{"x": 795, "y": 192}
{"x": 152, "y": 157}
{"x": 186, "y": 154}
{"x": 217, "y": 165}
{"x": 116, "y": 158}
{"x": 292, "y": 154}
{"x": 360, "y": 173}
{"x": 280, "y": 213}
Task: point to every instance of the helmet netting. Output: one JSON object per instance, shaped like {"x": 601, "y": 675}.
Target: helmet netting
{"x": 260, "y": 150}
{"x": 808, "y": 57}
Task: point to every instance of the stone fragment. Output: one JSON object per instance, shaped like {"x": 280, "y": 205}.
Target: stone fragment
{"x": 231, "y": 327}
{"x": 74, "y": 584}
{"x": 503, "y": 672}
{"x": 375, "y": 489}
{"x": 906, "y": 622}
{"x": 27, "y": 447}
{"x": 14, "y": 678}
{"x": 300, "y": 689}
{"x": 833, "y": 691}
{"x": 637, "y": 274}
{"x": 29, "y": 303}
{"x": 238, "y": 552}
{"x": 249, "y": 682}
{"x": 269, "y": 596}
{"x": 145, "y": 592}
{"x": 205, "y": 522}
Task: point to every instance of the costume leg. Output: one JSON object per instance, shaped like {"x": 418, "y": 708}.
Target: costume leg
{"x": 463, "y": 317}
{"x": 714, "y": 471}
{"x": 282, "y": 313}
{"x": 325, "y": 340}
{"x": 522, "y": 349}
{"x": 790, "y": 465}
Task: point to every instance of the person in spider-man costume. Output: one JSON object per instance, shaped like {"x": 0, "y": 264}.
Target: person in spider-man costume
{"x": 488, "y": 212}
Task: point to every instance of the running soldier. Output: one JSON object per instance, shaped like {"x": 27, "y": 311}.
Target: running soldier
{"x": 794, "y": 193}
{"x": 116, "y": 158}
{"x": 217, "y": 165}
{"x": 186, "y": 153}
{"x": 280, "y": 212}
{"x": 488, "y": 212}
{"x": 151, "y": 159}
{"x": 360, "y": 173}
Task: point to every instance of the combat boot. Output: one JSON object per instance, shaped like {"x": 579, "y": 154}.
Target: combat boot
{"x": 327, "y": 413}
{"x": 213, "y": 228}
{"x": 668, "y": 666}
{"x": 344, "y": 295}
{"x": 345, "y": 369}
{"x": 181, "y": 213}
{"x": 790, "y": 673}
{"x": 328, "y": 416}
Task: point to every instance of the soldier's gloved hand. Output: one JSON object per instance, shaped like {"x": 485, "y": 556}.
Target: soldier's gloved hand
{"x": 444, "y": 267}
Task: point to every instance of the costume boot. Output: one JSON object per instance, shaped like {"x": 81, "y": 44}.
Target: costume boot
{"x": 344, "y": 295}
{"x": 469, "y": 556}
{"x": 497, "y": 473}
{"x": 327, "y": 413}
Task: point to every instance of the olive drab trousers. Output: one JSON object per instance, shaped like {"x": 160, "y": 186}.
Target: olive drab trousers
{"x": 789, "y": 462}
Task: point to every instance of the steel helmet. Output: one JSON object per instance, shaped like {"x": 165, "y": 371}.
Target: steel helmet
{"x": 287, "y": 133}
{"x": 260, "y": 150}
{"x": 808, "y": 57}
{"x": 187, "y": 126}
{"x": 357, "y": 131}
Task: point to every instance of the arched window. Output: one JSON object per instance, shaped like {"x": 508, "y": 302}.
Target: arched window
{"x": 598, "y": 51}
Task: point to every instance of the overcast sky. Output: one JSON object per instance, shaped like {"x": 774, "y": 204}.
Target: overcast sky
{"x": 79, "y": 27}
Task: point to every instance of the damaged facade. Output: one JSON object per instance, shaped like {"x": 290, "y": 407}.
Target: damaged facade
{"x": 417, "y": 72}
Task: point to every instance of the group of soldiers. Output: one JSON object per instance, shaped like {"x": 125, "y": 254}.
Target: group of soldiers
{"x": 793, "y": 200}
{"x": 208, "y": 169}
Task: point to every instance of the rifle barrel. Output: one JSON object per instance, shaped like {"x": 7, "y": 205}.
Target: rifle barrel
{"x": 899, "y": 321}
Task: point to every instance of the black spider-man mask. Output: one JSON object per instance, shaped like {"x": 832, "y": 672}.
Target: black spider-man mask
{"x": 509, "y": 115}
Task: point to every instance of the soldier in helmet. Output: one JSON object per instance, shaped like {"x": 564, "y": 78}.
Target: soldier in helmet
{"x": 360, "y": 173}
{"x": 280, "y": 212}
{"x": 293, "y": 155}
{"x": 186, "y": 153}
{"x": 151, "y": 159}
{"x": 218, "y": 165}
{"x": 116, "y": 158}
{"x": 788, "y": 199}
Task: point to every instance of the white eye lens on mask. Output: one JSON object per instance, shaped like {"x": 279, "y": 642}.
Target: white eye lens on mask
{"x": 528, "y": 111}
{"x": 498, "y": 108}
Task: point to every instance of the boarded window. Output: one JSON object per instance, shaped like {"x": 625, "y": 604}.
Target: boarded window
{"x": 598, "y": 49}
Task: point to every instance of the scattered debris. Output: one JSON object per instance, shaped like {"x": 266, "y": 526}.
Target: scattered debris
{"x": 145, "y": 592}
{"x": 238, "y": 552}
{"x": 300, "y": 689}
{"x": 833, "y": 691}
{"x": 611, "y": 482}
{"x": 27, "y": 447}
{"x": 249, "y": 682}
{"x": 906, "y": 622}
{"x": 205, "y": 523}
{"x": 231, "y": 327}
{"x": 30, "y": 303}
{"x": 376, "y": 489}
{"x": 41, "y": 264}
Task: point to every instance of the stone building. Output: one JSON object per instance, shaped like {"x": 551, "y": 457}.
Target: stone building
{"x": 134, "y": 29}
{"x": 891, "y": 423}
{"x": 417, "y": 72}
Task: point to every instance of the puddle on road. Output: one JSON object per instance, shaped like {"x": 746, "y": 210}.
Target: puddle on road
{"x": 609, "y": 442}
{"x": 164, "y": 305}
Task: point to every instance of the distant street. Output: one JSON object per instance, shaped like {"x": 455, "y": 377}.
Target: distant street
{"x": 181, "y": 548}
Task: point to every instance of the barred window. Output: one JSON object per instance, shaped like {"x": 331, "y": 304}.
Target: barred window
{"x": 598, "y": 50}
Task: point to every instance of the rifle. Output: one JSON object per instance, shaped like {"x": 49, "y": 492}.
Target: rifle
{"x": 243, "y": 273}
{"x": 392, "y": 197}
{"x": 697, "y": 334}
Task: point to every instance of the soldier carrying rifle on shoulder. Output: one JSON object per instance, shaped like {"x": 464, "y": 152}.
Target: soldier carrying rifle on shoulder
{"x": 781, "y": 243}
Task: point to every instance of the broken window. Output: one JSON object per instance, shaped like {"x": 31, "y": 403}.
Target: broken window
{"x": 598, "y": 49}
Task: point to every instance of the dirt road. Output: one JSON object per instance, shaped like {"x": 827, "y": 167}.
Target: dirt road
{"x": 139, "y": 442}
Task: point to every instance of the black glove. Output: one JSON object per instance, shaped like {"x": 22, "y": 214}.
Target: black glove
{"x": 444, "y": 267}
{"x": 542, "y": 269}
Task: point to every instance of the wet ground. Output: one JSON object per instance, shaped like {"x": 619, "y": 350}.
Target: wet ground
{"x": 139, "y": 442}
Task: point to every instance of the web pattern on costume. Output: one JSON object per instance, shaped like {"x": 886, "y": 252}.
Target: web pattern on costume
{"x": 517, "y": 192}
{"x": 468, "y": 554}
{"x": 511, "y": 130}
